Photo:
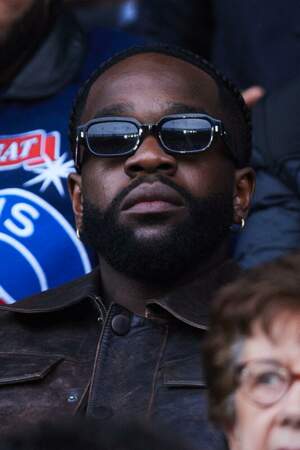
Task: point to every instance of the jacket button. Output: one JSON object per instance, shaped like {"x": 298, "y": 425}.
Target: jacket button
{"x": 120, "y": 324}
{"x": 73, "y": 397}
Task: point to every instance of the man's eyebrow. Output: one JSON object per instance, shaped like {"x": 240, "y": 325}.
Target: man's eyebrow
{"x": 127, "y": 108}
{"x": 115, "y": 110}
{"x": 177, "y": 108}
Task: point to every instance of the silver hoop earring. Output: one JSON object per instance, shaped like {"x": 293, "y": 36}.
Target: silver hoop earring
{"x": 235, "y": 228}
{"x": 78, "y": 233}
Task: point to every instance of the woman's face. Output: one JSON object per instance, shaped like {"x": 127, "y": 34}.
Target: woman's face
{"x": 275, "y": 426}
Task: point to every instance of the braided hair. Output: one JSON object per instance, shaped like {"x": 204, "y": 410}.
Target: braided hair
{"x": 232, "y": 103}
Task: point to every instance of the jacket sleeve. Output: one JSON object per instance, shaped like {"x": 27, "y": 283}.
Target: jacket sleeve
{"x": 273, "y": 226}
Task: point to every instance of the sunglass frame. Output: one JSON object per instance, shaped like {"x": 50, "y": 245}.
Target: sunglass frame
{"x": 144, "y": 130}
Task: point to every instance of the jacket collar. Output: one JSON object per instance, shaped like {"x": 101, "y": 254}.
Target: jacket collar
{"x": 53, "y": 65}
{"x": 59, "y": 298}
{"x": 189, "y": 304}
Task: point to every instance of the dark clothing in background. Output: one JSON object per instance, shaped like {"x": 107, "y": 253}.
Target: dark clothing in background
{"x": 252, "y": 42}
{"x": 273, "y": 226}
{"x": 257, "y": 42}
{"x": 66, "y": 351}
{"x": 186, "y": 24}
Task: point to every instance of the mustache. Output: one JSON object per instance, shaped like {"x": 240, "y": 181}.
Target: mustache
{"x": 150, "y": 179}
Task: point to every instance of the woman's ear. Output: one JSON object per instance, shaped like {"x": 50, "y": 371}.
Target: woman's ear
{"x": 243, "y": 191}
{"x": 74, "y": 186}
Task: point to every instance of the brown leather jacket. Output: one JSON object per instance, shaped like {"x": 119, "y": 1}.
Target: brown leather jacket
{"x": 67, "y": 352}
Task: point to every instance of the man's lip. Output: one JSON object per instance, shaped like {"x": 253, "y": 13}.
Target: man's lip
{"x": 146, "y": 193}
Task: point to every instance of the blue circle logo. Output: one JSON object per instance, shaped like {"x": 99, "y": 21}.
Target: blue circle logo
{"x": 39, "y": 248}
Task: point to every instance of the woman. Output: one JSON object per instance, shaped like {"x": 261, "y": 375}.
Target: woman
{"x": 253, "y": 358}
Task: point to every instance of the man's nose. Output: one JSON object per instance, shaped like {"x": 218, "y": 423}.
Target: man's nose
{"x": 289, "y": 413}
{"x": 150, "y": 158}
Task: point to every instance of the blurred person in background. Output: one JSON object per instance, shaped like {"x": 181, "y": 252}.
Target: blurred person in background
{"x": 45, "y": 56}
{"x": 252, "y": 358}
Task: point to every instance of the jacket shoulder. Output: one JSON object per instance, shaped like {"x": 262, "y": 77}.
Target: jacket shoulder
{"x": 58, "y": 298}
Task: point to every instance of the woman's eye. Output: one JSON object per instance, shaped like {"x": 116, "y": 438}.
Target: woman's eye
{"x": 268, "y": 378}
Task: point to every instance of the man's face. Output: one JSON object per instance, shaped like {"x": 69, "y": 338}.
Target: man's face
{"x": 152, "y": 200}
{"x": 277, "y": 426}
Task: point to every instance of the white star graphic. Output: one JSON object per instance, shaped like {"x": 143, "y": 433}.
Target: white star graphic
{"x": 52, "y": 172}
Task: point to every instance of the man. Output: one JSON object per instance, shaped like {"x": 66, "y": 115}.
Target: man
{"x": 157, "y": 203}
{"x": 45, "y": 57}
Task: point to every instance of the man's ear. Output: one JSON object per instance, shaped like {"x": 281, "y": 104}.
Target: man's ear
{"x": 74, "y": 186}
{"x": 243, "y": 191}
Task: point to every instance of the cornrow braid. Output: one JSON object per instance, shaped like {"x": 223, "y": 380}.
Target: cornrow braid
{"x": 238, "y": 116}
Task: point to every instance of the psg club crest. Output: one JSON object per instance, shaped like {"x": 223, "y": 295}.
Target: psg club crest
{"x": 31, "y": 232}
{"x": 39, "y": 248}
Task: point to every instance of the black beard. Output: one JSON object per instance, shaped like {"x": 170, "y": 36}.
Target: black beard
{"x": 177, "y": 251}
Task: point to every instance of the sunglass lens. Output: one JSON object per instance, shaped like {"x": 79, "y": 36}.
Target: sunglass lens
{"x": 186, "y": 135}
{"x": 112, "y": 138}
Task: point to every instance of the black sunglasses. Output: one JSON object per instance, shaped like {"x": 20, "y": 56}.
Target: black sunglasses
{"x": 179, "y": 134}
